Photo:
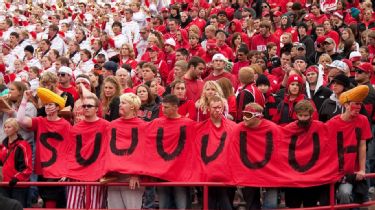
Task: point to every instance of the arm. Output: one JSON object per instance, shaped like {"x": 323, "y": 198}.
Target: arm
{"x": 361, "y": 160}
{"x": 22, "y": 119}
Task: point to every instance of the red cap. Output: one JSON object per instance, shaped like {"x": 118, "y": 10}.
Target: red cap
{"x": 211, "y": 44}
{"x": 153, "y": 48}
{"x": 295, "y": 78}
{"x": 348, "y": 62}
{"x": 366, "y": 67}
{"x": 338, "y": 14}
{"x": 312, "y": 69}
{"x": 309, "y": 16}
{"x": 164, "y": 9}
{"x": 320, "y": 39}
{"x": 277, "y": 14}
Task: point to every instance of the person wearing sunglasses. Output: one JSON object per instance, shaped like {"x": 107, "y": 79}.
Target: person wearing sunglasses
{"x": 362, "y": 76}
{"x": 88, "y": 128}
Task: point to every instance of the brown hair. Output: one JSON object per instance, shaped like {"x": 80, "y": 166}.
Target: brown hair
{"x": 304, "y": 106}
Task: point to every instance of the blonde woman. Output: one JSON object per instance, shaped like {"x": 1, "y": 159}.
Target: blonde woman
{"x": 127, "y": 197}
{"x": 127, "y": 55}
{"x": 325, "y": 60}
{"x": 210, "y": 89}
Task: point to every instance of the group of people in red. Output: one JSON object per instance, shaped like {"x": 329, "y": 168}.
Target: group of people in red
{"x": 70, "y": 65}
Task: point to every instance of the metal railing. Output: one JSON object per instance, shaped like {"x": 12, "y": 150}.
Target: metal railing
{"x": 205, "y": 186}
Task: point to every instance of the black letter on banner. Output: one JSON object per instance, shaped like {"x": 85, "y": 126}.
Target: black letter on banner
{"x": 128, "y": 151}
{"x": 97, "y": 145}
{"x": 292, "y": 154}
{"x": 177, "y": 151}
{"x": 243, "y": 151}
{"x": 341, "y": 149}
{"x": 43, "y": 139}
{"x": 206, "y": 159}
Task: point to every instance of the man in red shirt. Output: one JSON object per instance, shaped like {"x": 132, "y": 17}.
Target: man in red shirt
{"x": 221, "y": 36}
{"x": 259, "y": 41}
{"x": 170, "y": 54}
{"x": 194, "y": 83}
{"x": 65, "y": 76}
{"x": 219, "y": 62}
{"x": 351, "y": 130}
{"x": 173, "y": 28}
{"x": 318, "y": 17}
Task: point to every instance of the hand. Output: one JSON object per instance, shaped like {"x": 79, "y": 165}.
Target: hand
{"x": 63, "y": 179}
{"x": 134, "y": 182}
{"x": 28, "y": 94}
{"x": 13, "y": 182}
{"x": 360, "y": 175}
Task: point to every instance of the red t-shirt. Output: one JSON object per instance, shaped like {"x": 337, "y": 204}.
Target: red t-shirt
{"x": 337, "y": 125}
{"x": 193, "y": 89}
{"x": 72, "y": 90}
{"x": 224, "y": 74}
{"x": 58, "y": 140}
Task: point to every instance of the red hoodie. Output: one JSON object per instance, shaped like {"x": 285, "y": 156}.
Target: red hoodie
{"x": 197, "y": 51}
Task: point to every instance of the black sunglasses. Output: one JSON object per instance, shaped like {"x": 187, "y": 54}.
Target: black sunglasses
{"x": 359, "y": 71}
{"x": 61, "y": 74}
{"x": 88, "y": 106}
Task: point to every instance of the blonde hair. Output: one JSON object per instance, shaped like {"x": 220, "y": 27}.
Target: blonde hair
{"x": 106, "y": 101}
{"x": 202, "y": 103}
{"x": 246, "y": 75}
{"x": 325, "y": 56}
{"x": 132, "y": 99}
{"x": 131, "y": 50}
{"x": 12, "y": 122}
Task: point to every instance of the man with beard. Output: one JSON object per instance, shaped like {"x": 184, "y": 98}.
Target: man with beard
{"x": 193, "y": 80}
{"x": 304, "y": 127}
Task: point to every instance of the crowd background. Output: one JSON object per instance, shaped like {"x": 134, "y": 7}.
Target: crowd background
{"x": 274, "y": 53}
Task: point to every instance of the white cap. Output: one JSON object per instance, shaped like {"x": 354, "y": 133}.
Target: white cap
{"x": 66, "y": 70}
{"x": 219, "y": 56}
{"x": 338, "y": 64}
{"x": 171, "y": 42}
{"x": 354, "y": 54}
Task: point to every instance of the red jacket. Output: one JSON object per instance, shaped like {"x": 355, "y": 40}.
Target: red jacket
{"x": 197, "y": 51}
{"x": 16, "y": 159}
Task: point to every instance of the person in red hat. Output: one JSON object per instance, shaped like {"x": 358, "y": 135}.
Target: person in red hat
{"x": 161, "y": 65}
{"x": 363, "y": 74}
{"x": 294, "y": 93}
{"x": 212, "y": 49}
{"x": 338, "y": 21}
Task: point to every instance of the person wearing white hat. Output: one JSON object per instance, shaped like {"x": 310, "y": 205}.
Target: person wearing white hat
{"x": 219, "y": 62}
{"x": 65, "y": 75}
{"x": 335, "y": 68}
{"x": 355, "y": 58}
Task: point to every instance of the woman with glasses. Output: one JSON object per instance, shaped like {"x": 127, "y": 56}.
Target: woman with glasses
{"x": 127, "y": 55}
{"x": 110, "y": 98}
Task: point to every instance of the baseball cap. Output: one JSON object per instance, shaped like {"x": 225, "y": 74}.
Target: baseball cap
{"x": 65, "y": 70}
{"x": 355, "y": 56}
{"x": 300, "y": 45}
{"x": 171, "y": 42}
{"x": 219, "y": 56}
{"x": 153, "y": 48}
{"x": 337, "y": 64}
{"x": 329, "y": 40}
{"x": 110, "y": 66}
{"x": 366, "y": 67}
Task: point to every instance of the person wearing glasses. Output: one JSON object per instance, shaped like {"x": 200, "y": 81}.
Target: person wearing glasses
{"x": 89, "y": 127}
{"x": 50, "y": 81}
{"x": 53, "y": 197}
{"x": 65, "y": 75}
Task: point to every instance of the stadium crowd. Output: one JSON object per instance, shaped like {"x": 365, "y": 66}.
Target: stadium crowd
{"x": 245, "y": 61}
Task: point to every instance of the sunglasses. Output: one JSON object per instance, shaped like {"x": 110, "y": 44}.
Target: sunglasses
{"x": 88, "y": 106}
{"x": 359, "y": 71}
{"x": 61, "y": 74}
